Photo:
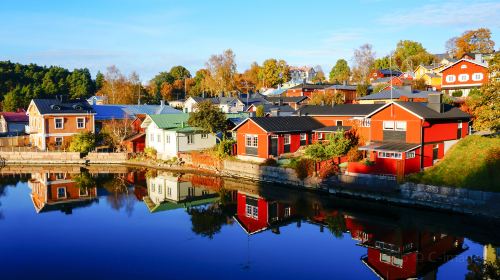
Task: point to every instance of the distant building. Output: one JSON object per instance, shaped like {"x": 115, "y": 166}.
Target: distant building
{"x": 305, "y": 89}
{"x": 464, "y": 75}
{"x": 397, "y": 93}
{"x": 302, "y": 74}
{"x": 383, "y": 73}
{"x": 225, "y": 104}
{"x": 97, "y": 100}
{"x": 53, "y": 122}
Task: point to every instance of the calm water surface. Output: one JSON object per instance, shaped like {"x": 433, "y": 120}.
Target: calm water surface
{"x": 74, "y": 223}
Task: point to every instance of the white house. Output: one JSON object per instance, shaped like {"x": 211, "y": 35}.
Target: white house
{"x": 226, "y": 104}
{"x": 169, "y": 134}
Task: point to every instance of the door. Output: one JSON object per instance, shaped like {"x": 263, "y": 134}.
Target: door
{"x": 287, "y": 141}
{"x": 459, "y": 131}
{"x": 435, "y": 153}
{"x": 274, "y": 145}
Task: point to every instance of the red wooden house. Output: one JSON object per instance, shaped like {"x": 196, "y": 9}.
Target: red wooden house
{"x": 259, "y": 138}
{"x": 305, "y": 89}
{"x": 382, "y": 73}
{"x": 409, "y": 136}
{"x": 255, "y": 214}
{"x": 464, "y": 75}
{"x": 137, "y": 141}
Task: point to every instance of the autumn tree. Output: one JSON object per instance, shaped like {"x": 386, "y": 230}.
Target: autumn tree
{"x": 221, "y": 69}
{"x": 364, "y": 57}
{"x": 251, "y": 75}
{"x": 409, "y": 54}
{"x": 327, "y": 98}
{"x": 119, "y": 89}
{"x": 320, "y": 75}
{"x": 259, "y": 112}
{"x": 471, "y": 41}
{"x": 485, "y": 104}
{"x": 340, "y": 73}
{"x": 274, "y": 72}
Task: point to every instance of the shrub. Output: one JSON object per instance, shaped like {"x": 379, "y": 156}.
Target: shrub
{"x": 303, "y": 167}
{"x": 150, "y": 152}
{"x": 83, "y": 142}
{"x": 225, "y": 148}
{"x": 270, "y": 162}
{"x": 328, "y": 171}
{"x": 367, "y": 162}
{"x": 354, "y": 154}
{"x": 457, "y": 93}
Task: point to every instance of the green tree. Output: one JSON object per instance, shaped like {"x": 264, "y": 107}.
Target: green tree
{"x": 340, "y": 73}
{"x": 83, "y": 142}
{"x": 259, "y": 112}
{"x": 208, "y": 118}
{"x": 80, "y": 84}
{"x": 337, "y": 144}
{"x": 274, "y": 72}
{"x": 362, "y": 89}
{"x": 179, "y": 73}
{"x": 12, "y": 100}
{"x": 99, "y": 80}
{"x": 409, "y": 54}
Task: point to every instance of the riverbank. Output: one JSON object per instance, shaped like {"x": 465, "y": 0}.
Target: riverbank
{"x": 457, "y": 200}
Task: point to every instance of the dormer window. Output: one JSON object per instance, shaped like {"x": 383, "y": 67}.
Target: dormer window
{"x": 463, "y": 66}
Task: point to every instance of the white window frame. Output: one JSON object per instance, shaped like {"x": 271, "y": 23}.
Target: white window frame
{"x": 83, "y": 192}
{"x": 160, "y": 190}
{"x": 388, "y": 125}
{"x": 287, "y": 139}
{"x": 65, "y": 193}
{"x": 393, "y": 155}
{"x": 251, "y": 141}
{"x": 410, "y": 154}
{"x": 463, "y": 77}
{"x": 62, "y": 141}
{"x": 480, "y": 77}
{"x": 152, "y": 137}
{"x": 400, "y": 126}
{"x": 152, "y": 187}
{"x": 190, "y": 139}
{"x": 169, "y": 191}
{"x": 337, "y": 123}
{"x": 78, "y": 123}
{"x": 167, "y": 139}
{"x": 366, "y": 122}
{"x": 158, "y": 138}
{"x": 303, "y": 136}
{"x": 62, "y": 123}
{"x": 252, "y": 211}
{"x": 204, "y": 136}
{"x": 320, "y": 135}
{"x": 451, "y": 78}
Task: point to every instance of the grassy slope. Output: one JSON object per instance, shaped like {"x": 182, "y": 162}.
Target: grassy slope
{"x": 473, "y": 163}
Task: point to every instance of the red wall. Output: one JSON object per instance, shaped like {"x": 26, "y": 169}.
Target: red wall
{"x": 252, "y": 224}
{"x": 250, "y": 127}
{"x": 471, "y": 69}
{"x": 396, "y": 113}
{"x": 434, "y": 132}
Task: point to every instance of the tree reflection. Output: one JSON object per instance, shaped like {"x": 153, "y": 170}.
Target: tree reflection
{"x": 478, "y": 268}
{"x": 119, "y": 195}
{"x": 336, "y": 225}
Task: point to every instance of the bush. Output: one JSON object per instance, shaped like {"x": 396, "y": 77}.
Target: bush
{"x": 83, "y": 142}
{"x": 328, "y": 171}
{"x": 354, "y": 155}
{"x": 457, "y": 93}
{"x": 303, "y": 167}
{"x": 270, "y": 162}
{"x": 150, "y": 152}
{"x": 225, "y": 148}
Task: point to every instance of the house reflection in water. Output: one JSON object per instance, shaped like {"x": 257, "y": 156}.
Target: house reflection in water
{"x": 255, "y": 214}
{"x": 58, "y": 191}
{"x": 169, "y": 191}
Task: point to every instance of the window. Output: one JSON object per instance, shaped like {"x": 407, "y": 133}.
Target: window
{"x": 410, "y": 154}
{"x": 401, "y": 126}
{"x": 152, "y": 137}
{"x": 390, "y": 155}
{"x": 59, "y": 176}
{"x": 366, "y": 122}
{"x": 204, "y": 136}
{"x": 167, "y": 139}
{"x": 59, "y": 141}
{"x": 287, "y": 212}
{"x": 385, "y": 258}
{"x": 388, "y": 125}
{"x": 339, "y": 123}
{"x": 190, "y": 138}
{"x": 252, "y": 211}
{"x": 251, "y": 141}
{"x": 320, "y": 136}
{"x": 463, "y": 66}
{"x": 477, "y": 77}
{"x": 158, "y": 138}
{"x": 61, "y": 192}
{"x": 152, "y": 187}
{"x": 397, "y": 261}
{"x": 159, "y": 189}
{"x": 169, "y": 191}
{"x": 450, "y": 78}
{"x": 463, "y": 77}
{"x": 84, "y": 191}
{"x": 287, "y": 139}
{"x": 303, "y": 137}
{"x": 80, "y": 123}
{"x": 59, "y": 123}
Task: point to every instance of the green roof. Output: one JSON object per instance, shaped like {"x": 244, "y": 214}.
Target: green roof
{"x": 170, "y": 205}
{"x": 170, "y": 121}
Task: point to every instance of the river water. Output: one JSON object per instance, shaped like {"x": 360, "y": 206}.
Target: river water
{"x": 119, "y": 223}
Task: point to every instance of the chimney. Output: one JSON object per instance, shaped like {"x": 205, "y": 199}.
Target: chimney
{"x": 478, "y": 57}
{"x": 435, "y": 102}
{"x": 162, "y": 103}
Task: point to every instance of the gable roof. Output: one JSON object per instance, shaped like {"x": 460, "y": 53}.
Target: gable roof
{"x": 115, "y": 111}
{"x": 311, "y": 86}
{"x": 168, "y": 121}
{"x": 467, "y": 60}
{"x": 389, "y": 72}
{"x": 286, "y": 99}
{"x": 56, "y": 106}
{"x": 343, "y": 87}
{"x": 284, "y": 123}
{"x": 421, "y": 110}
{"x": 396, "y": 94}
{"x": 15, "y": 116}
{"x": 338, "y": 110}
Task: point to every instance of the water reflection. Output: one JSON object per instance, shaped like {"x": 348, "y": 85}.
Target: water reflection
{"x": 396, "y": 243}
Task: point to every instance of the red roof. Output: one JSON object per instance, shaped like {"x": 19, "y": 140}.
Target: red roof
{"x": 15, "y": 117}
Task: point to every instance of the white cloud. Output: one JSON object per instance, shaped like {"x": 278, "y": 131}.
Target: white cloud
{"x": 450, "y": 13}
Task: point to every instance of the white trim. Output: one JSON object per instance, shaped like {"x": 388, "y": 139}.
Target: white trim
{"x": 84, "y": 122}
{"x": 461, "y": 85}
{"x": 392, "y": 102}
{"x": 65, "y": 193}
{"x": 69, "y": 114}
{"x": 463, "y": 59}
{"x": 60, "y": 134}
{"x": 55, "y": 123}
{"x": 234, "y": 129}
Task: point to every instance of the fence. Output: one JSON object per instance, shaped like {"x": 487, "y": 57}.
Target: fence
{"x": 14, "y": 141}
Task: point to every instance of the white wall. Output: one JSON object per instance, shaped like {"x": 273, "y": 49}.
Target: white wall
{"x": 189, "y": 105}
{"x": 198, "y": 143}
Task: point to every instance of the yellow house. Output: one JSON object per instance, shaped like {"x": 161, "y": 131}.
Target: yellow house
{"x": 491, "y": 253}
{"x": 421, "y": 70}
{"x": 433, "y": 80}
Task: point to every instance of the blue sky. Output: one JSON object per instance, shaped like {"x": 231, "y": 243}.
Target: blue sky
{"x": 150, "y": 36}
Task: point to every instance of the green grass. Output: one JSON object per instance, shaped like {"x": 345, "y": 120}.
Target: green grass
{"x": 473, "y": 163}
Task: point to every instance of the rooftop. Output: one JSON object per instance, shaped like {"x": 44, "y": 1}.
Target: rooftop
{"x": 108, "y": 112}
{"x": 15, "y": 116}
{"x": 58, "y": 106}
{"x": 338, "y": 110}
{"x": 286, "y": 123}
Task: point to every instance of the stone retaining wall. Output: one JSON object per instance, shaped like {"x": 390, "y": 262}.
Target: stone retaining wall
{"x": 42, "y": 157}
{"x": 107, "y": 157}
